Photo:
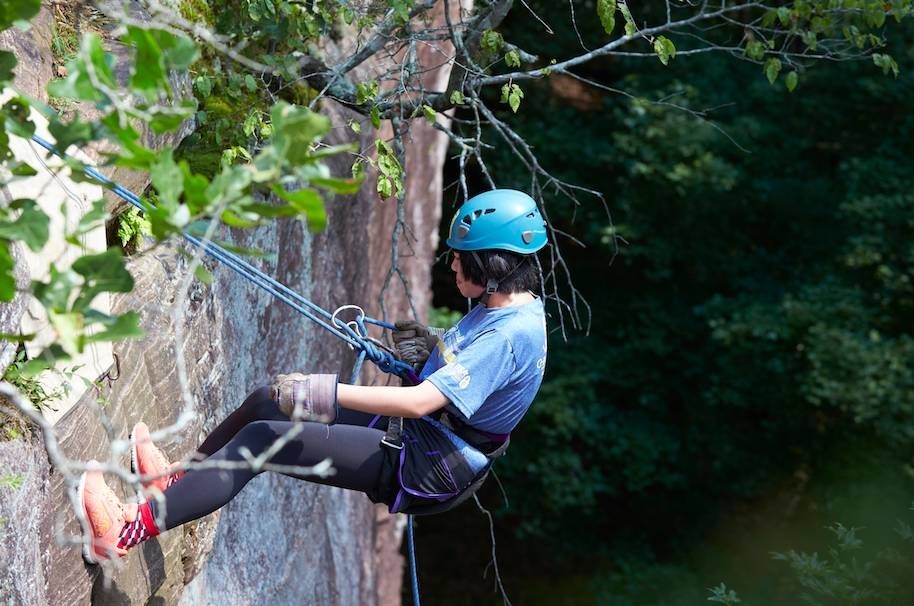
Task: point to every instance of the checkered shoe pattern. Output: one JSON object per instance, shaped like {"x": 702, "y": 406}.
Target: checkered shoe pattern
{"x": 173, "y": 478}
{"x": 132, "y": 534}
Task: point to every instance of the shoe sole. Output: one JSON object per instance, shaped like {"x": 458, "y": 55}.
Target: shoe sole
{"x": 80, "y": 494}
{"x": 134, "y": 461}
{"x": 135, "y": 467}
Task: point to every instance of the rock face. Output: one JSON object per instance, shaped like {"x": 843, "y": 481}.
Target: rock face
{"x": 281, "y": 541}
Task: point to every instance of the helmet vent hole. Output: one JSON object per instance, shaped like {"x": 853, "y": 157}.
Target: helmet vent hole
{"x": 476, "y": 214}
{"x": 530, "y": 216}
{"x": 467, "y": 219}
{"x": 489, "y": 211}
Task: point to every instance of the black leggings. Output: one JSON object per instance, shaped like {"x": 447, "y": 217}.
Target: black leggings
{"x": 354, "y": 449}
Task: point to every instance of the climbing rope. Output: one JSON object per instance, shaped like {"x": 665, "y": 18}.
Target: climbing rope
{"x": 354, "y": 332}
{"x": 384, "y": 359}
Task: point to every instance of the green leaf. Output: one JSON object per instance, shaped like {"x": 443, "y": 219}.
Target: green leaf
{"x": 69, "y": 328}
{"x": 338, "y": 185}
{"x": 76, "y": 132}
{"x": 430, "y": 114}
{"x": 180, "y": 51}
{"x": 874, "y": 13}
{"x": 250, "y": 82}
{"x": 376, "y": 117}
{"x": 7, "y": 65}
{"x": 203, "y": 85}
{"x": 385, "y": 187}
{"x": 22, "y": 169}
{"x": 512, "y": 58}
{"x": 203, "y": 275}
{"x": 104, "y": 272}
{"x": 168, "y": 180}
{"x": 308, "y": 203}
{"x": 755, "y": 50}
{"x": 124, "y": 326}
{"x": 783, "y": 15}
{"x": 149, "y": 73}
{"x": 606, "y": 11}
{"x": 457, "y": 98}
{"x": 810, "y": 40}
{"x": 630, "y": 27}
{"x": 96, "y": 217}
{"x": 491, "y": 41}
{"x": 295, "y": 129}
{"x": 366, "y": 91}
{"x": 791, "y": 81}
{"x": 12, "y": 11}
{"x": 16, "y": 337}
{"x": 18, "y": 120}
{"x": 772, "y": 69}
{"x": 886, "y": 62}
{"x": 31, "y": 226}
{"x": 169, "y": 118}
{"x": 157, "y": 51}
{"x": 665, "y": 49}
{"x": 512, "y": 95}
{"x": 249, "y": 127}
{"x": 7, "y": 278}
{"x": 55, "y": 293}
{"x": 355, "y": 126}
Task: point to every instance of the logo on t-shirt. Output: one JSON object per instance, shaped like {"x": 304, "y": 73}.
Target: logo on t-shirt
{"x": 460, "y": 373}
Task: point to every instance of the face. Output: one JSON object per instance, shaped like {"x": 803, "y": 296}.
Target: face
{"x": 468, "y": 289}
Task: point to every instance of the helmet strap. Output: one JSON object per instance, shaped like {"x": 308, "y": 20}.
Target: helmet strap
{"x": 492, "y": 284}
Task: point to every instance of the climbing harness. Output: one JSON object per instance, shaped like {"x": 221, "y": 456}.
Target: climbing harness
{"x": 354, "y": 332}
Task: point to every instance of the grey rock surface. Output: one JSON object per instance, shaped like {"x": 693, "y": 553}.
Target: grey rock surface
{"x": 343, "y": 550}
{"x": 22, "y": 574}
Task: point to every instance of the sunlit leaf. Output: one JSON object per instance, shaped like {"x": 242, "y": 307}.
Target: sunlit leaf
{"x": 606, "y": 11}
{"x": 31, "y": 226}
{"x": 665, "y": 49}
{"x": 308, "y": 203}
{"x": 116, "y": 328}
{"x": 104, "y": 272}
{"x": 12, "y": 11}
{"x": 7, "y": 278}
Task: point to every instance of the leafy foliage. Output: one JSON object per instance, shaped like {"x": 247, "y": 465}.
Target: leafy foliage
{"x": 19, "y": 374}
{"x": 132, "y": 227}
{"x": 850, "y": 575}
{"x": 284, "y": 161}
{"x": 752, "y": 310}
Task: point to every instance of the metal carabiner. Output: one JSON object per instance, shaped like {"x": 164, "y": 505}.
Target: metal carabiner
{"x": 117, "y": 369}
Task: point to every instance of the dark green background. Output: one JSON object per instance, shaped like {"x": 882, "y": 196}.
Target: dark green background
{"x": 748, "y": 377}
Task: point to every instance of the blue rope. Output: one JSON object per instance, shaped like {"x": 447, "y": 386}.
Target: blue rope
{"x": 383, "y": 359}
{"x": 412, "y": 559}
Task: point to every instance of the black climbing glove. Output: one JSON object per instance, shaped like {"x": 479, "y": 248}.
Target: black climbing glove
{"x": 306, "y": 397}
{"x": 415, "y": 342}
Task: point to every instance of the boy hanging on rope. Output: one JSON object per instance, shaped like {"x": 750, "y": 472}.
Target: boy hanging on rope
{"x": 478, "y": 380}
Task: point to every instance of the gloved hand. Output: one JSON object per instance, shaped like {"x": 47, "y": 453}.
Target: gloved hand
{"x": 306, "y": 397}
{"x": 415, "y": 342}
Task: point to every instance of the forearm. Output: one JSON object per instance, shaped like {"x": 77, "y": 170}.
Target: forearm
{"x": 411, "y": 402}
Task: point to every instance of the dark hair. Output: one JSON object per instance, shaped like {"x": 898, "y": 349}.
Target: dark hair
{"x": 513, "y": 271}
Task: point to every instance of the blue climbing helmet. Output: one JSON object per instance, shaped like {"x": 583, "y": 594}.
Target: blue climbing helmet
{"x": 504, "y": 219}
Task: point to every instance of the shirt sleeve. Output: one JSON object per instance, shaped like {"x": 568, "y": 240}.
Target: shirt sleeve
{"x": 479, "y": 369}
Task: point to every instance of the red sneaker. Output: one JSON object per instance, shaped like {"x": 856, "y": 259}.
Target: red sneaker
{"x": 106, "y": 516}
{"x": 150, "y": 462}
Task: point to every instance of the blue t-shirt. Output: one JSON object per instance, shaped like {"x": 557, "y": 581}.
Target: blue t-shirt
{"x": 490, "y": 365}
